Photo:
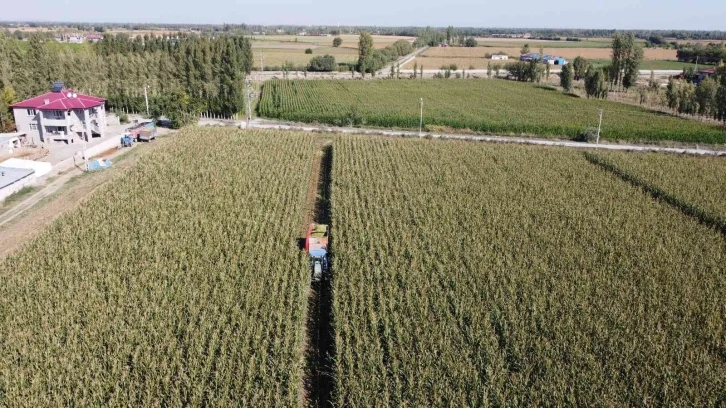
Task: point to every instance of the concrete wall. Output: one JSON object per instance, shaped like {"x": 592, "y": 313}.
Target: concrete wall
{"x": 109, "y": 144}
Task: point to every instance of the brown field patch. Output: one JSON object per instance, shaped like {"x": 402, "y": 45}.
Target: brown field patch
{"x": 461, "y": 63}
{"x": 276, "y": 57}
{"x": 349, "y": 40}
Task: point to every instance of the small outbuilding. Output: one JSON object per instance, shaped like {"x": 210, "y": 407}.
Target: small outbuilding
{"x": 11, "y": 141}
{"x": 39, "y": 168}
{"x": 500, "y": 57}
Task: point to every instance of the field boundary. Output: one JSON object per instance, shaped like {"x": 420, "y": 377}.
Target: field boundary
{"x": 704, "y": 217}
{"x": 268, "y": 124}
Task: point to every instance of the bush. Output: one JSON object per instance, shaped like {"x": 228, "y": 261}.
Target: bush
{"x": 123, "y": 118}
{"x": 322, "y": 63}
{"x": 179, "y": 119}
{"x": 337, "y": 42}
{"x": 470, "y": 42}
{"x": 589, "y": 135}
{"x": 308, "y": 51}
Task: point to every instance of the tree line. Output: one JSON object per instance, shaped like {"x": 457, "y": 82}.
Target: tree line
{"x": 710, "y": 54}
{"x": 707, "y": 99}
{"x": 370, "y": 59}
{"x": 183, "y": 74}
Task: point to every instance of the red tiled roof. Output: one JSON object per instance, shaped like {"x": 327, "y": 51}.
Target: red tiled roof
{"x": 60, "y": 101}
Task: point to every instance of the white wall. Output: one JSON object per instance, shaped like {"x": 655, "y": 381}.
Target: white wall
{"x": 17, "y": 186}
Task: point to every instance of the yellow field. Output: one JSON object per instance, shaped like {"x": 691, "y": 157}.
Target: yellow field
{"x": 461, "y": 63}
{"x": 569, "y": 53}
{"x": 349, "y": 40}
{"x": 276, "y": 57}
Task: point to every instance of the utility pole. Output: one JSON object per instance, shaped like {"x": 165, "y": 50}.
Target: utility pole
{"x": 599, "y": 126}
{"x": 146, "y": 96}
{"x": 696, "y": 63}
{"x": 249, "y": 95}
{"x": 420, "y": 124}
{"x": 262, "y": 62}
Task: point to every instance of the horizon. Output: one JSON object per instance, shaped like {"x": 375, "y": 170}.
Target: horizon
{"x": 666, "y": 15}
{"x": 541, "y": 28}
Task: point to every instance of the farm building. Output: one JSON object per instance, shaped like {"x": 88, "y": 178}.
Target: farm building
{"x": 18, "y": 173}
{"x": 703, "y": 74}
{"x": 545, "y": 59}
{"x": 61, "y": 115}
{"x": 500, "y": 57}
{"x": 11, "y": 141}
{"x": 94, "y": 38}
{"x": 552, "y": 60}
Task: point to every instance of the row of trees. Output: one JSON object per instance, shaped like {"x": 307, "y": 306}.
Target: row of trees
{"x": 371, "y": 60}
{"x": 622, "y": 71}
{"x": 710, "y": 54}
{"x": 707, "y": 99}
{"x": 187, "y": 73}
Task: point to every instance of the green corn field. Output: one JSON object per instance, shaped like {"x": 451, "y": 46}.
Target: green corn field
{"x": 178, "y": 285}
{"x": 487, "y": 275}
{"x": 463, "y": 274}
{"x": 699, "y": 181}
{"x": 490, "y": 106}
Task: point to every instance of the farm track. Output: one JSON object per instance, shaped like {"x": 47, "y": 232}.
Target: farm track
{"x": 319, "y": 380}
{"x": 280, "y": 125}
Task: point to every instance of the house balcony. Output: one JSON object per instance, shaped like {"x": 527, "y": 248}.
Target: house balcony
{"x": 48, "y": 121}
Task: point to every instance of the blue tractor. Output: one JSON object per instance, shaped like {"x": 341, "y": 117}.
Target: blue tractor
{"x": 127, "y": 141}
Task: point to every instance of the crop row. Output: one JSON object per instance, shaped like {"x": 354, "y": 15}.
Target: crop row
{"x": 700, "y": 181}
{"x": 179, "y": 285}
{"x": 471, "y": 275}
{"x": 491, "y": 106}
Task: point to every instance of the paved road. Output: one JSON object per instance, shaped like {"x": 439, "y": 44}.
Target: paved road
{"x": 271, "y": 124}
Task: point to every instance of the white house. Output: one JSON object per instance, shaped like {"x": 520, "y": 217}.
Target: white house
{"x": 500, "y": 57}
{"x": 61, "y": 115}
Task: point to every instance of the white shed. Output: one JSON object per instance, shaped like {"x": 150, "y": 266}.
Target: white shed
{"x": 40, "y": 168}
{"x": 500, "y": 57}
{"x": 10, "y": 141}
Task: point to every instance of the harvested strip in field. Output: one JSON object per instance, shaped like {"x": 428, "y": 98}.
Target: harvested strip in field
{"x": 491, "y": 106}
{"x": 475, "y": 275}
{"x": 700, "y": 181}
{"x": 180, "y": 284}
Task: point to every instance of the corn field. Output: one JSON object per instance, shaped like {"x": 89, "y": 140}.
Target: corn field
{"x": 489, "y": 275}
{"x": 700, "y": 181}
{"x": 463, "y": 275}
{"x": 179, "y": 285}
{"x": 490, "y": 106}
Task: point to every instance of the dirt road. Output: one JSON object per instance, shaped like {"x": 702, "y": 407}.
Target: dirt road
{"x": 279, "y": 125}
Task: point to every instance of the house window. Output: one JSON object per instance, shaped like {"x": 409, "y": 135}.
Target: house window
{"x": 34, "y": 127}
{"x": 31, "y": 112}
{"x": 55, "y": 129}
{"x": 57, "y": 114}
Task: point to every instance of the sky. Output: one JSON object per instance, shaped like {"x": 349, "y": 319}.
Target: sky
{"x": 612, "y": 14}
